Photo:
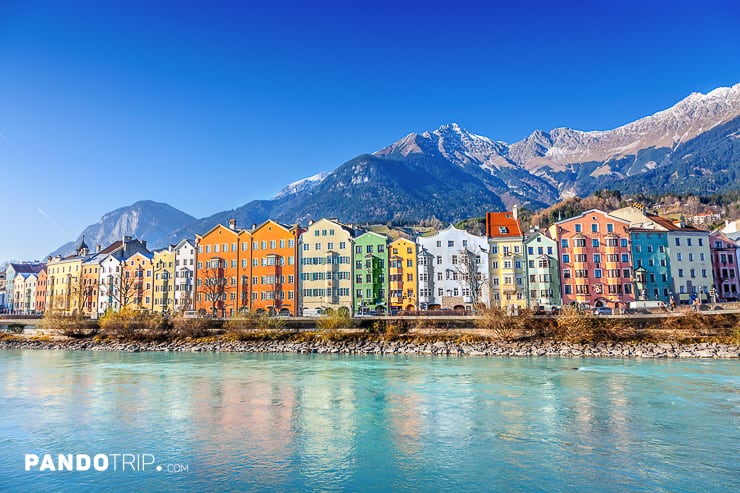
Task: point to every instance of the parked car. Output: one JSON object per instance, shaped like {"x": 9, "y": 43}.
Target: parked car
{"x": 602, "y": 310}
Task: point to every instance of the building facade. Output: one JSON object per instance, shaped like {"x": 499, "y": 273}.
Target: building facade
{"x": 542, "y": 272}
{"x": 137, "y": 281}
{"x": 274, "y": 272}
{"x": 163, "y": 269}
{"x": 11, "y": 270}
{"x": 184, "y": 276}
{"x": 595, "y": 260}
{"x": 223, "y": 267}
{"x": 370, "y": 273}
{"x": 453, "y": 270}
{"x": 402, "y": 275}
{"x": 506, "y": 259}
{"x": 326, "y": 256}
{"x": 725, "y": 267}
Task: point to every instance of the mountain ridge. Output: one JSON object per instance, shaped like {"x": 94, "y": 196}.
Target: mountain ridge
{"x": 450, "y": 172}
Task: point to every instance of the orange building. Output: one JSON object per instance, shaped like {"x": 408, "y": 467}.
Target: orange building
{"x": 41, "y": 290}
{"x": 223, "y": 271}
{"x": 274, "y": 273}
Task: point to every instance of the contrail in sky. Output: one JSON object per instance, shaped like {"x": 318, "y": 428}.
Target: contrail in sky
{"x": 53, "y": 223}
{"x": 3, "y": 137}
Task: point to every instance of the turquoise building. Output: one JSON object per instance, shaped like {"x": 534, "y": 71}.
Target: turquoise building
{"x": 652, "y": 267}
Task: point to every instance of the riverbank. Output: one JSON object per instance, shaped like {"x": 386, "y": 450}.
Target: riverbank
{"x": 532, "y": 348}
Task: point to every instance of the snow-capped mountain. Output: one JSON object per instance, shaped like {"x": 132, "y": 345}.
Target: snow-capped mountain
{"x": 450, "y": 173}
{"x": 302, "y": 185}
{"x": 543, "y": 152}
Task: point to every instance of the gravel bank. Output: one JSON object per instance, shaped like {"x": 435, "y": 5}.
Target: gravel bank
{"x": 442, "y": 348}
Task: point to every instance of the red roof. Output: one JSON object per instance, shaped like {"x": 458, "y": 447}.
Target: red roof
{"x": 671, "y": 226}
{"x": 502, "y": 225}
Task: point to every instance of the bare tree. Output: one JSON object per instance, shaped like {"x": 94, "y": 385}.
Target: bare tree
{"x": 213, "y": 284}
{"x": 470, "y": 276}
{"x": 121, "y": 289}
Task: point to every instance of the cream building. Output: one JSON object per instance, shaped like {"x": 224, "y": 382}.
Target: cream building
{"x": 325, "y": 251}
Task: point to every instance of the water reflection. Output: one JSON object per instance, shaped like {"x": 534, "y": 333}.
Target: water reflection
{"x": 291, "y": 422}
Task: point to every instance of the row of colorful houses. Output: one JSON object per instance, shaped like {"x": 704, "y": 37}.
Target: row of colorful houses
{"x": 597, "y": 258}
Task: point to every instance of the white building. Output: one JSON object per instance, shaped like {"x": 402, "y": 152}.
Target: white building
{"x": 24, "y": 293}
{"x": 184, "y": 269}
{"x": 445, "y": 261}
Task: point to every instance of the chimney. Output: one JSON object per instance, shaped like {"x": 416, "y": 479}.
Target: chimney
{"x": 98, "y": 247}
{"x": 232, "y": 224}
{"x": 515, "y": 211}
{"x": 254, "y": 226}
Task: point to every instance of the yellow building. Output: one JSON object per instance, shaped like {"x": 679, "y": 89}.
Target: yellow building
{"x": 163, "y": 267}
{"x": 65, "y": 292}
{"x": 402, "y": 275}
{"x": 506, "y": 260}
{"x": 136, "y": 283}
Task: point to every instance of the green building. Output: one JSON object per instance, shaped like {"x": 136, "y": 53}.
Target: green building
{"x": 370, "y": 273}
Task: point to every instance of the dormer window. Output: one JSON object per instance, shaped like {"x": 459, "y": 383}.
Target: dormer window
{"x": 503, "y": 230}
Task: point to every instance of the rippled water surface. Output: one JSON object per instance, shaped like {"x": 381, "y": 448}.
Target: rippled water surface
{"x": 240, "y": 422}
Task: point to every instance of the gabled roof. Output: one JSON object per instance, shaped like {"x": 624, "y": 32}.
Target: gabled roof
{"x": 373, "y": 233}
{"x": 502, "y": 225}
{"x": 236, "y": 232}
{"x": 27, "y": 267}
{"x": 352, "y": 232}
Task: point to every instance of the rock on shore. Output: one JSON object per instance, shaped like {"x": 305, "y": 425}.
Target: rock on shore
{"x": 439, "y": 348}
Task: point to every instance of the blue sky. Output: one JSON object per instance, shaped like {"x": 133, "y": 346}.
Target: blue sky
{"x": 209, "y": 105}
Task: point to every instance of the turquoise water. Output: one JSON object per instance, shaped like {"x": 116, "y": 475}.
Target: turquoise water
{"x": 241, "y": 422}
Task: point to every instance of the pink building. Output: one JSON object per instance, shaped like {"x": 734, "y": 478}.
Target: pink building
{"x": 724, "y": 264}
{"x": 595, "y": 259}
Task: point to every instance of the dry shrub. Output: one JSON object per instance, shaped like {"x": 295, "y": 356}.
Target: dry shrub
{"x": 572, "y": 325}
{"x": 330, "y": 326}
{"x": 390, "y": 329}
{"x": 270, "y": 324}
{"x": 132, "y": 324}
{"x": 426, "y": 325}
{"x": 242, "y": 327}
{"x": 67, "y": 325}
{"x": 501, "y": 326}
{"x": 334, "y": 321}
{"x": 189, "y": 327}
{"x": 251, "y": 327}
{"x": 608, "y": 329}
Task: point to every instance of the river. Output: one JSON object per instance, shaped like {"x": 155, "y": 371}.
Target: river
{"x": 294, "y": 422}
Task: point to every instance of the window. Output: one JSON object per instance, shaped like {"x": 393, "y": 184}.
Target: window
{"x": 678, "y": 241}
{"x": 578, "y": 228}
{"x": 595, "y": 242}
{"x": 623, "y": 242}
{"x": 679, "y": 256}
{"x": 688, "y": 241}
{"x": 594, "y": 228}
{"x": 564, "y": 243}
{"x": 610, "y": 228}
